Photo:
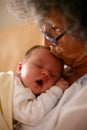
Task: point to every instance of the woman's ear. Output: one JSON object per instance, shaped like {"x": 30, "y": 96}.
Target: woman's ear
{"x": 19, "y": 67}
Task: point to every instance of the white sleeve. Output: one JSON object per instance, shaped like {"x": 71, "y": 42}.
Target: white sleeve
{"x": 30, "y": 110}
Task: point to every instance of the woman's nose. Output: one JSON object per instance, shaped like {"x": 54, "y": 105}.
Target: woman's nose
{"x": 45, "y": 75}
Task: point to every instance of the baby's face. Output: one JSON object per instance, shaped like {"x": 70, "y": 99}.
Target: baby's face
{"x": 40, "y": 71}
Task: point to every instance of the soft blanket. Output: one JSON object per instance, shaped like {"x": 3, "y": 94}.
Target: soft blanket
{"x": 6, "y": 90}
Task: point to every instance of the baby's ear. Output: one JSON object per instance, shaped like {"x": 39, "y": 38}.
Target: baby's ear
{"x": 19, "y": 67}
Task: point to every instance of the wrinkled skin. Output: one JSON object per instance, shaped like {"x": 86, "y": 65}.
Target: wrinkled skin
{"x": 70, "y": 48}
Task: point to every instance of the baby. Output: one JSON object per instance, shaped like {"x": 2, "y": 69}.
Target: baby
{"x": 37, "y": 86}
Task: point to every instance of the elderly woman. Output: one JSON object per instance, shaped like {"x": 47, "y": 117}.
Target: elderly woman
{"x": 64, "y": 27}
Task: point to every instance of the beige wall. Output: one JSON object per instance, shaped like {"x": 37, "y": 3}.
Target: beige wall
{"x": 14, "y": 42}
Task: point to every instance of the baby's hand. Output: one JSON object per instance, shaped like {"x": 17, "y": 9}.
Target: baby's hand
{"x": 62, "y": 83}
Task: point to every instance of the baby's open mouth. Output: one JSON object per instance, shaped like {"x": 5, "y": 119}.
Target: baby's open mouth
{"x": 39, "y": 82}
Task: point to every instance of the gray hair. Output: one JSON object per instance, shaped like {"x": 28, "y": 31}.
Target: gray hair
{"x": 32, "y": 9}
{"x": 75, "y": 10}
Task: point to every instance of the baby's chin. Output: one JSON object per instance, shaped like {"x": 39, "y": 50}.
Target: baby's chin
{"x": 37, "y": 93}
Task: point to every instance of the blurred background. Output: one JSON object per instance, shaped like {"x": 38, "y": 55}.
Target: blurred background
{"x": 7, "y": 19}
{"x": 16, "y": 37}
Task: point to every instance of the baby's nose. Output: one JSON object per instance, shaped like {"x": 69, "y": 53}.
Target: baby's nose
{"x": 45, "y": 75}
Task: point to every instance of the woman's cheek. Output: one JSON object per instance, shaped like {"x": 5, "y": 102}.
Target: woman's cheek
{"x": 46, "y": 42}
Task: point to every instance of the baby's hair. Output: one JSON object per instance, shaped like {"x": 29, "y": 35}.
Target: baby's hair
{"x": 30, "y": 50}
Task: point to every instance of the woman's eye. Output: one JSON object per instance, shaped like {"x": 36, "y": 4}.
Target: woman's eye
{"x": 56, "y": 29}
